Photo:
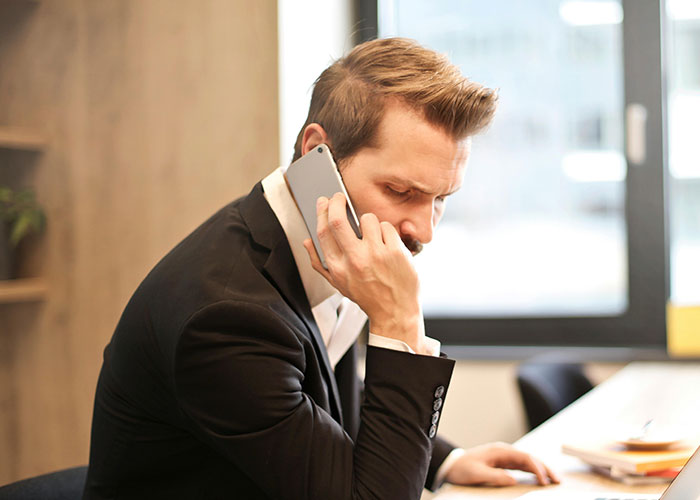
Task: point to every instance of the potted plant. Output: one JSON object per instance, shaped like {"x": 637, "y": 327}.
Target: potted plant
{"x": 20, "y": 215}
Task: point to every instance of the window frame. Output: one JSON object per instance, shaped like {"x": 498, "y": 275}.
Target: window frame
{"x": 643, "y": 325}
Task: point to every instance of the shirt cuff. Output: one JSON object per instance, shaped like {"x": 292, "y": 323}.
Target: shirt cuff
{"x": 447, "y": 464}
{"x": 432, "y": 345}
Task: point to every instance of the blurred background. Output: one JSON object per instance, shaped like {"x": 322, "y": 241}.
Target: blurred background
{"x": 577, "y": 232}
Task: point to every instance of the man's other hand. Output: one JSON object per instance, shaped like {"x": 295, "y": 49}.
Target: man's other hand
{"x": 486, "y": 465}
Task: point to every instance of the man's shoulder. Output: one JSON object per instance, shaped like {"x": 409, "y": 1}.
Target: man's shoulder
{"x": 224, "y": 247}
{"x": 221, "y": 262}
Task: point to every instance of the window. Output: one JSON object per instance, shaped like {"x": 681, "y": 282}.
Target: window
{"x": 558, "y": 235}
{"x": 684, "y": 156}
{"x": 539, "y": 226}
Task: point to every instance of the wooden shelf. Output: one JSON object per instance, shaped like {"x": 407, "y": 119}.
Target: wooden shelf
{"x": 7, "y": 2}
{"x": 21, "y": 138}
{"x": 23, "y": 290}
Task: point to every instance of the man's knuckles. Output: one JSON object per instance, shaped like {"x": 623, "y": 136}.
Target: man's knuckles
{"x": 360, "y": 267}
{"x": 338, "y": 273}
{"x": 323, "y": 232}
{"x": 336, "y": 223}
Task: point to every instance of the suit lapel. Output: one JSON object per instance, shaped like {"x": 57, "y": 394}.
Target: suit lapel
{"x": 282, "y": 271}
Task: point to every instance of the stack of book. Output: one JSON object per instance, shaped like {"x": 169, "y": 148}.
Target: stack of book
{"x": 620, "y": 463}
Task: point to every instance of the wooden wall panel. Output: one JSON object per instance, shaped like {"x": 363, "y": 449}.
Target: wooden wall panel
{"x": 157, "y": 112}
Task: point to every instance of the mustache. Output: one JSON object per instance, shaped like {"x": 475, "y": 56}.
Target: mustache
{"x": 414, "y": 246}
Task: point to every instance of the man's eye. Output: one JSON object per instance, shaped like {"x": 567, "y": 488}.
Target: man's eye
{"x": 396, "y": 192}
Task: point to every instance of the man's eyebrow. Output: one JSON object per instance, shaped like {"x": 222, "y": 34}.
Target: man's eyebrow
{"x": 416, "y": 186}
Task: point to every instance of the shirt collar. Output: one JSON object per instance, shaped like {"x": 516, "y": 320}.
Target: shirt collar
{"x": 280, "y": 199}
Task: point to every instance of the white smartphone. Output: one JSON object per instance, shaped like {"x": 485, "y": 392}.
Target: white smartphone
{"x": 314, "y": 175}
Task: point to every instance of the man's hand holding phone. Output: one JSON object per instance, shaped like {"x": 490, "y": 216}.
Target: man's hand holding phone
{"x": 375, "y": 272}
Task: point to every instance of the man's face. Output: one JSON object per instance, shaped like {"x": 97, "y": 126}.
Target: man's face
{"x": 405, "y": 178}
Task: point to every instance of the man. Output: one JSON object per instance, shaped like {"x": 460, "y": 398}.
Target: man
{"x": 231, "y": 373}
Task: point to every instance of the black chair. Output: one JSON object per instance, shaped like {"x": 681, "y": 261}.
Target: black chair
{"x": 548, "y": 387}
{"x": 65, "y": 484}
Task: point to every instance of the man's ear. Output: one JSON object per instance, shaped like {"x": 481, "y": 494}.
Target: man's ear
{"x": 314, "y": 134}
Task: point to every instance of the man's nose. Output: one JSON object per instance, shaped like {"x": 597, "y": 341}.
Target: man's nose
{"x": 420, "y": 226}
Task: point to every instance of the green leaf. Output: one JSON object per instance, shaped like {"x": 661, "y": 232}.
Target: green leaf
{"x": 5, "y": 194}
{"x": 21, "y": 212}
{"x": 20, "y": 228}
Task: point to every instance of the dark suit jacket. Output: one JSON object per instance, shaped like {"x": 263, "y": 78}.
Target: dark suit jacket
{"x": 216, "y": 384}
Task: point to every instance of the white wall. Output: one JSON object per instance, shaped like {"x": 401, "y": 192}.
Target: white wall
{"x": 312, "y": 33}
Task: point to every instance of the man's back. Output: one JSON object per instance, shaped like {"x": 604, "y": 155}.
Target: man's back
{"x": 142, "y": 442}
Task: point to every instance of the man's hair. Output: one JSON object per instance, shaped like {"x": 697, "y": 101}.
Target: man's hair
{"x": 349, "y": 97}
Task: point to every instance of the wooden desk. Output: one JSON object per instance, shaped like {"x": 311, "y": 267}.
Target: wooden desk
{"x": 666, "y": 392}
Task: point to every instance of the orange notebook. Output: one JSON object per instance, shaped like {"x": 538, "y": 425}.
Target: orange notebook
{"x": 611, "y": 454}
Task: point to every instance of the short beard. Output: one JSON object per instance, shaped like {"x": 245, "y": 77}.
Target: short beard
{"x": 414, "y": 246}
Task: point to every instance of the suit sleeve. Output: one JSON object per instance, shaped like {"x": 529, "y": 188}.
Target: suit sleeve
{"x": 441, "y": 448}
{"x": 241, "y": 390}
{"x": 346, "y": 374}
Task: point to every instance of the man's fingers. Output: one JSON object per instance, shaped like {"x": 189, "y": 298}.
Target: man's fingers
{"x": 315, "y": 260}
{"x": 496, "y": 477}
{"x": 390, "y": 236}
{"x": 552, "y": 475}
{"x": 392, "y": 239}
{"x": 512, "y": 458}
{"x": 530, "y": 464}
{"x": 371, "y": 230}
{"x": 338, "y": 221}
{"x": 326, "y": 238}
{"x": 486, "y": 464}
{"x": 538, "y": 468}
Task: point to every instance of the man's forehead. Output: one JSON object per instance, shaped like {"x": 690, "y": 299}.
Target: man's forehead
{"x": 397, "y": 109}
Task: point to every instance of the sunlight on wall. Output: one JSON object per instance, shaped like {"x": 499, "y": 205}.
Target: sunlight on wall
{"x": 312, "y": 33}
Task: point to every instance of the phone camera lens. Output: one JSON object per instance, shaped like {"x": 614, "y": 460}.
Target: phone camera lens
{"x": 320, "y": 150}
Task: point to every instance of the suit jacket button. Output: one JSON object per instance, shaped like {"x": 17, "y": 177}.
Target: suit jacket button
{"x": 432, "y": 431}
{"x": 437, "y": 404}
{"x": 439, "y": 391}
{"x": 434, "y": 418}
